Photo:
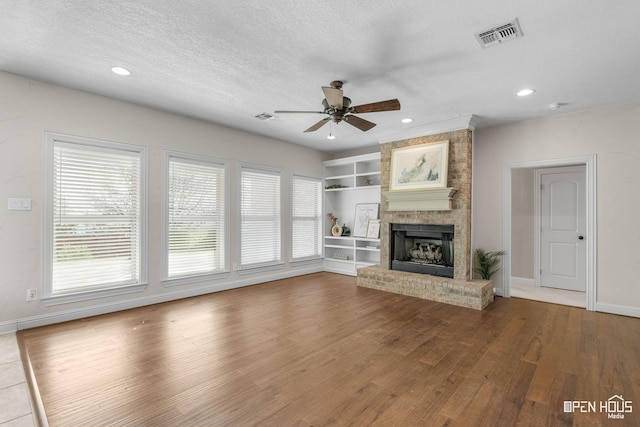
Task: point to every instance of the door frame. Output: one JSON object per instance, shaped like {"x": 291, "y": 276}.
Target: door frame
{"x": 590, "y": 199}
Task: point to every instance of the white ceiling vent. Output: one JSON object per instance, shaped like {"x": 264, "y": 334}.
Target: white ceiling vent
{"x": 265, "y": 116}
{"x": 499, "y": 34}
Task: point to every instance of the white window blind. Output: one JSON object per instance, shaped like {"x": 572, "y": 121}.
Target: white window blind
{"x": 96, "y": 217}
{"x": 196, "y": 217}
{"x": 306, "y": 233}
{"x": 260, "y": 217}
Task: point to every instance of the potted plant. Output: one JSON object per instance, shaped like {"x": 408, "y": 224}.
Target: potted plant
{"x": 487, "y": 263}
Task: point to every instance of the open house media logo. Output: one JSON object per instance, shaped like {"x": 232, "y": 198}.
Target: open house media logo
{"x": 615, "y": 407}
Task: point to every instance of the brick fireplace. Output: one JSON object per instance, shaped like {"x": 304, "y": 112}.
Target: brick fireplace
{"x": 461, "y": 289}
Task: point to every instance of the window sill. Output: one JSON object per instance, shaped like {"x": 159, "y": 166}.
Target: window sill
{"x": 194, "y": 279}
{"x": 260, "y": 268}
{"x": 306, "y": 261}
{"x": 92, "y": 294}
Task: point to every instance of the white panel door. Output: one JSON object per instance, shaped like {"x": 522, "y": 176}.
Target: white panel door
{"x": 562, "y": 229}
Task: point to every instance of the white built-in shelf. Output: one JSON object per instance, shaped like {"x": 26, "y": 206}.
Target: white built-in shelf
{"x": 352, "y": 173}
{"x": 328, "y": 178}
{"x": 363, "y": 187}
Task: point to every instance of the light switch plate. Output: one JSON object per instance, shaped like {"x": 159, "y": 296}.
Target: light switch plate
{"x": 19, "y": 204}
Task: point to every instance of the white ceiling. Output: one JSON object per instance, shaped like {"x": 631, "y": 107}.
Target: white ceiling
{"x": 227, "y": 61}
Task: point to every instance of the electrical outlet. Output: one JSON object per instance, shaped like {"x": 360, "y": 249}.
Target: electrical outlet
{"x": 32, "y": 294}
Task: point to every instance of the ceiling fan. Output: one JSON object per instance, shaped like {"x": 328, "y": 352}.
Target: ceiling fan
{"x": 338, "y": 108}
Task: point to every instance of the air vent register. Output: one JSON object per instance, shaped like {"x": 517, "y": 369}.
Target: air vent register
{"x": 500, "y": 34}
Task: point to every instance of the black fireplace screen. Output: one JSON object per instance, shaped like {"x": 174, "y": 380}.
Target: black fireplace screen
{"x": 423, "y": 248}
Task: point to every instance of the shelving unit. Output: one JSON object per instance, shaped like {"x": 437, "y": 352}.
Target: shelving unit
{"x": 359, "y": 181}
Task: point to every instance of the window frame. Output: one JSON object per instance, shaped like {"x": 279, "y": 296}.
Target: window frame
{"x": 50, "y": 297}
{"x": 263, "y": 266}
{"x": 206, "y": 161}
{"x": 319, "y": 218}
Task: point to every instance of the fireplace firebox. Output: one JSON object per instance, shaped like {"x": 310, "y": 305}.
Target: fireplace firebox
{"x": 422, "y": 248}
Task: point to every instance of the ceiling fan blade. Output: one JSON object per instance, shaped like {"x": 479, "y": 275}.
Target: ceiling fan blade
{"x": 290, "y": 111}
{"x": 362, "y": 124}
{"x": 375, "y": 107}
{"x": 334, "y": 97}
{"x": 318, "y": 125}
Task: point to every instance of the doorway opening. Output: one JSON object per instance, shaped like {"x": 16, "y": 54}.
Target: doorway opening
{"x": 538, "y": 265}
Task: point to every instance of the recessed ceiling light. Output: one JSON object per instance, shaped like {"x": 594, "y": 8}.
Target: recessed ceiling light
{"x": 407, "y": 120}
{"x": 525, "y": 92}
{"x": 120, "y": 71}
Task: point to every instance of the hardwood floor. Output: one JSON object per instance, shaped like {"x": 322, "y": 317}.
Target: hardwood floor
{"x": 318, "y": 350}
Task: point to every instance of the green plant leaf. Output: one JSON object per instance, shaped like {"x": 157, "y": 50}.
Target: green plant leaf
{"x": 487, "y": 263}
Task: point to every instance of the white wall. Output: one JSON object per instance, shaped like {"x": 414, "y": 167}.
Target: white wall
{"x": 29, "y": 108}
{"x": 609, "y": 133}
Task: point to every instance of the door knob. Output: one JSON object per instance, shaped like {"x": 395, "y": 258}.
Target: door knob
{"x": 580, "y": 237}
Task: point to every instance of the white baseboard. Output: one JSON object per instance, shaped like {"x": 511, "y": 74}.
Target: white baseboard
{"x": 74, "y": 314}
{"x": 618, "y": 309}
{"x": 8, "y": 327}
{"x": 49, "y": 319}
{"x": 522, "y": 281}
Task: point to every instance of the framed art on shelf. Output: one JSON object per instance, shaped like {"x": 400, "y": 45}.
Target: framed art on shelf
{"x": 364, "y": 212}
{"x": 373, "y": 229}
{"x": 419, "y": 167}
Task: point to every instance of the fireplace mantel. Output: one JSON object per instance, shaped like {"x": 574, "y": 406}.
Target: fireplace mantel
{"x": 420, "y": 200}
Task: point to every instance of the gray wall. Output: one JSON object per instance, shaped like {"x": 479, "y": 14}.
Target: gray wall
{"x": 522, "y": 223}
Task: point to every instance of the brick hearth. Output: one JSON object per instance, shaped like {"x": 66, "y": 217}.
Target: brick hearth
{"x": 475, "y": 294}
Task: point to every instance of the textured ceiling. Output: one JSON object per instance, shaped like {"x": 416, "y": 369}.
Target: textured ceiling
{"x": 226, "y": 62}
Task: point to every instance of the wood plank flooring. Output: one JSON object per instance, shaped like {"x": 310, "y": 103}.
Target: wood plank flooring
{"x": 318, "y": 350}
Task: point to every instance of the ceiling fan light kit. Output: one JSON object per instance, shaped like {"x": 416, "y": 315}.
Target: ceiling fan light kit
{"x": 338, "y": 108}
{"x": 331, "y": 136}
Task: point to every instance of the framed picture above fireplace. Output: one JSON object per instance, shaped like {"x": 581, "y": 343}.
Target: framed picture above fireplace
{"x": 419, "y": 167}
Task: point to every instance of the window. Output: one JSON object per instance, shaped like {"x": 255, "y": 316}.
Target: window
{"x": 259, "y": 217}
{"x": 95, "y": 209}
{"x": 306, "y": 231}
{"x": 195, "y": 235}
